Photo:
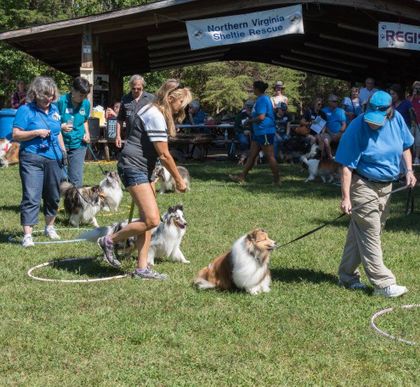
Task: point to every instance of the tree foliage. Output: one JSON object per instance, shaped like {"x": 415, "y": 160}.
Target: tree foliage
{"x": 221, "y": 87}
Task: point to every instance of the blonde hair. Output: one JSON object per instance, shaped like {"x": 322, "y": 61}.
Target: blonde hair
{"x": 168, "y": 85}
{"x": 174, "y": 90}
{"x": 41, "y": 87}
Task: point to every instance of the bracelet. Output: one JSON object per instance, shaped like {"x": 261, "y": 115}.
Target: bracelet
{"x": 409, "y": 170}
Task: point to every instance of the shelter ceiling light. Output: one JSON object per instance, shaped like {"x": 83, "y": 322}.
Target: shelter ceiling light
{"x": 311, "y": 55}
{"x": 345, "y": 52}
{"x": 311, "y": 62}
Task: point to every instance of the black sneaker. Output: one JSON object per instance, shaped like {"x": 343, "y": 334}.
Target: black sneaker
{"x": 146, "y": 274}
{"x": 107, "y": 247}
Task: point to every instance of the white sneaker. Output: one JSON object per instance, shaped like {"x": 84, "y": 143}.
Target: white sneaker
{"x": 50, "y": 232}
{"x": 390, "y": 291}
{"x": 27, "y": 241}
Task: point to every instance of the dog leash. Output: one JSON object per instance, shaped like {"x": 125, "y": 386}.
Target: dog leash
{"x": 95, "y": 158}
{"x": 340, "y": 216}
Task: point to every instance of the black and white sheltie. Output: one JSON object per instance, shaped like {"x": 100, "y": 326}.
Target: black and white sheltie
{"x": 166, "y": 238}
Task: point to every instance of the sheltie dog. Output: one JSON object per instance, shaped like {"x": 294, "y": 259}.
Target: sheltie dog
{"x": 82, "y": 204}
{"x": 9, "y": 153}
{"x": 167, "y": 182}
{"x": 244, "y": 267}
{"x": 166, "y": 238}
{"x": 326, "y": 169}
{"x": 111, "y": 188}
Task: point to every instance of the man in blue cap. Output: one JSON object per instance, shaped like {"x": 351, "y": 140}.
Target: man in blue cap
{"x": 370, "y": 152}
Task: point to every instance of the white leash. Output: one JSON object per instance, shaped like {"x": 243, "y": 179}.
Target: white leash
{"x": 12, "y": 238}
{"x": 385, "y": 334}
{"x": 32, "y": 269}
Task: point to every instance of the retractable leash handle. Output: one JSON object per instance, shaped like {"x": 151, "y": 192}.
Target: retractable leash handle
{"x": 340, "y": 216}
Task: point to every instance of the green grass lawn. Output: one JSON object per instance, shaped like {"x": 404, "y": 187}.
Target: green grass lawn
{"x": 306, "y": 331}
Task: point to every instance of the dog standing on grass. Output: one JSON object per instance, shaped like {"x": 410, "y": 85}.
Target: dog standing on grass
{"x": 245, "y": 266}
{"x": 166, "y": 237}
{"x": 167, "y": 182}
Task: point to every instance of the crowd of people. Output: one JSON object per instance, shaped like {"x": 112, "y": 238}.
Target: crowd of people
{"x": 369, "y": 136}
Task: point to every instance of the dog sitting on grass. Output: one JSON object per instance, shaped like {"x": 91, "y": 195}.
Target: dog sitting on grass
{"x": 244, "y": 267}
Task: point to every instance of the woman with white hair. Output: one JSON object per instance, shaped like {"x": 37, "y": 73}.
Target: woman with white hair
{"x": 131, "y": 103}
{"x": 146, "y": 143}
{"x": 37, "y": 128}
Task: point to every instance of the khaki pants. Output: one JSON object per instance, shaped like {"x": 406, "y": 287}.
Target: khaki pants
{"x": 363, "y": 244}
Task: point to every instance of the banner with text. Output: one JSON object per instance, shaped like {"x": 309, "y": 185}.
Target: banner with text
{"x": 235, "y": 29}
{"x": 397, "y": 35}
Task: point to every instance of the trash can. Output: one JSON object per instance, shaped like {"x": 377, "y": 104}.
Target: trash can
{"x": 7, "y": 117}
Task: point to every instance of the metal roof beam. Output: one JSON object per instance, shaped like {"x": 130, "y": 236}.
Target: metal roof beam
{"x": 345, "y": 52}
{"x": 311, "y": 55}
{"x": 310, "y": 62}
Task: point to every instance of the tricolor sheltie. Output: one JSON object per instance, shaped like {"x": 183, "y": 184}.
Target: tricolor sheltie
{"x": 166, "y": 238}
{"x": 244, "y": 267}
{"x": 82, "y": 204}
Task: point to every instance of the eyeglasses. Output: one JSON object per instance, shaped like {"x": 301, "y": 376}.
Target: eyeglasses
{"x": 136, "y": 88}
{"x": 378, "y": 108}
{"x": 45, "y": 97}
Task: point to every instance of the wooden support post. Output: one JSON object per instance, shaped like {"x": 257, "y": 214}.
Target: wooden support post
{"x": 86, "y": 67}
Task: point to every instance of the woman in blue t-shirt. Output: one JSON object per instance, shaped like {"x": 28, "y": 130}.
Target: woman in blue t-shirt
{"x": 401, "y": 104}
{"x": 263, "y": 131}
{"x": 370, "y": 152}
{"x": 37, "y": 128}
{"x": 74, "y": 109}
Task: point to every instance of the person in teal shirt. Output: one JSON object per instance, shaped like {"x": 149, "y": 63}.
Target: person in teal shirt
{"x": 74, "y": 109}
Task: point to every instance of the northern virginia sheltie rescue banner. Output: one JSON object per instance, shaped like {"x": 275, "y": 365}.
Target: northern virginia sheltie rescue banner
{"x": 397, "y": 35}
{"x": 235, "y": 29}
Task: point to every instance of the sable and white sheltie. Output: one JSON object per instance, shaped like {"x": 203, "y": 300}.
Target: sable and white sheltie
{"x": 111, "y": 187}
{"x": 82, "y": 204}
{"x": 166, "y": 238}
{"x": 167, "y": 182}
{"x": 9, "y": 153}
{"x": 326, "y": 169}
{"x": 245, "y": 266}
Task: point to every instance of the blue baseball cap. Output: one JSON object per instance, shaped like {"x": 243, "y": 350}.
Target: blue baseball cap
{"x": 377, "y": 108}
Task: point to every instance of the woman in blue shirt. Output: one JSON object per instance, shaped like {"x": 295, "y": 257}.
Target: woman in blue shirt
{"x": 74, "y": 109}
{"x": 37, "y": 128}
{"x": 370, "y": 152}
{"x": 263, "y": 131}
{"x": 401, "y": 104}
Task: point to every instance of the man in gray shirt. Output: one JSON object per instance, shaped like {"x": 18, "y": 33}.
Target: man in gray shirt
{"x": 131, "y": 103}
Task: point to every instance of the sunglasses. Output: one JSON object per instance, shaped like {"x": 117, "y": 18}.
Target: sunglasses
{"x": 378, "y": 108}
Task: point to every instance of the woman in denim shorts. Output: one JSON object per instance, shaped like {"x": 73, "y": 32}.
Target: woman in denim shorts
{"x": 146, "y": 143}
